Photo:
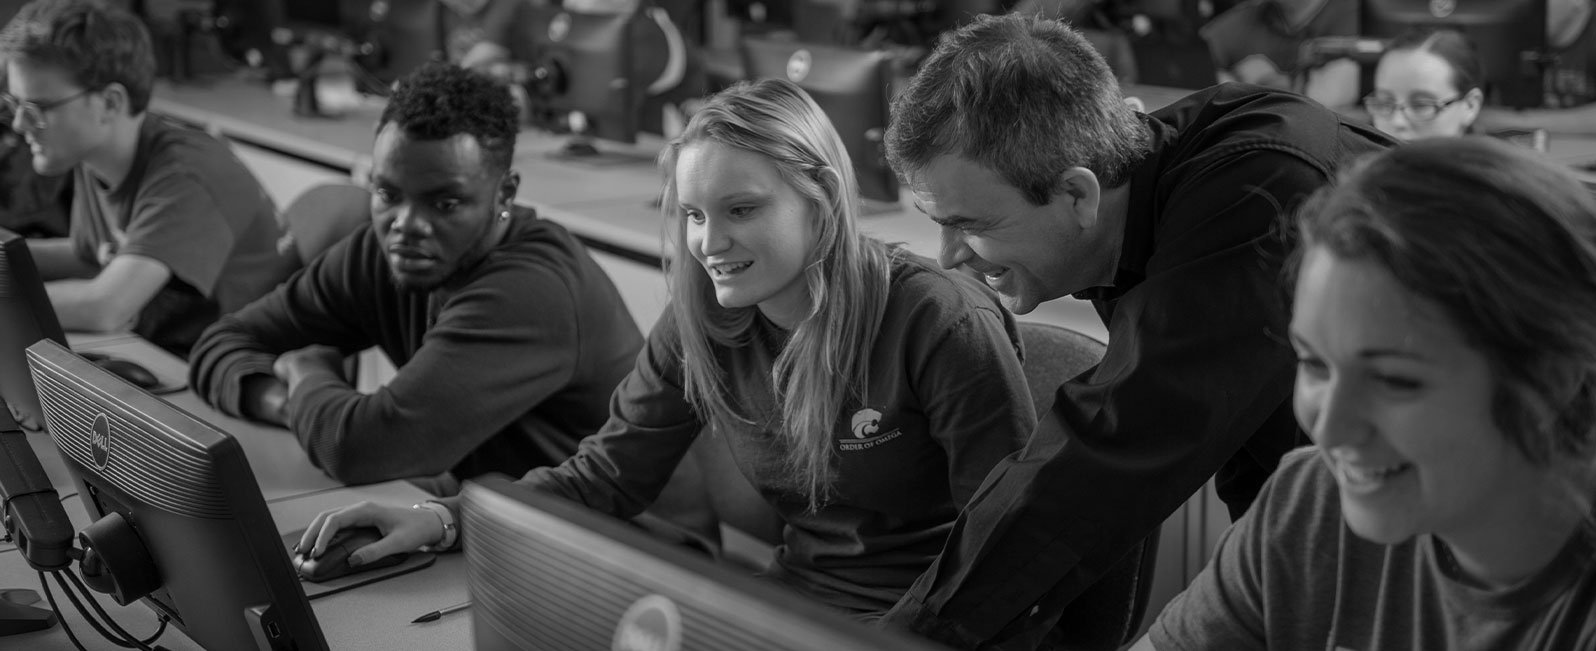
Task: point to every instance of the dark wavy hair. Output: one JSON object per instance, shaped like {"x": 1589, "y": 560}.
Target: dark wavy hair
{"x": 440, "y": 101}
{"x": 1504, "y": 240}
{"x": 1451, "y": 46}
{"x": 96, "y": 43}
{"x": 1027, "y": 97}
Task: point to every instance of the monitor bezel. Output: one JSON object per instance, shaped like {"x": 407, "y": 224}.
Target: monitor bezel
{"x": 38, "y": 321}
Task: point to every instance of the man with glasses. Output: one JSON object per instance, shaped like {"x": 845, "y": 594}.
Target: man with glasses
{"x": 168, "y": 229}
{"x": 30, "y": 203}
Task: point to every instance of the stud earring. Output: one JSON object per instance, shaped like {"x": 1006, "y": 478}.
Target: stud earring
{"x": 504, "y": 216}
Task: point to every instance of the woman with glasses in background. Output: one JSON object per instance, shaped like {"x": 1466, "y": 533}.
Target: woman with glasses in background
{"x": 1427, "y": 85}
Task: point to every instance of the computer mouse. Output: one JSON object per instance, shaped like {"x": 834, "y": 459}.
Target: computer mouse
{"x": 131, "y": 371}
{"x": 334, "y": 561}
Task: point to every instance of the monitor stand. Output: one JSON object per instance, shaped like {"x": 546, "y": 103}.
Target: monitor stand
{"x": 16, "y": 616}
{"x": 582, "y": 150}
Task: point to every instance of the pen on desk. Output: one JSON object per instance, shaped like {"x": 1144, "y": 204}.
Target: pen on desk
{"x": 436, "y": 614}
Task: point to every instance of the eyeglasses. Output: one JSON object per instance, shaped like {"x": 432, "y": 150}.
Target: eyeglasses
{"x": 33, "y": 113}
{"x": 1419, "y": 110}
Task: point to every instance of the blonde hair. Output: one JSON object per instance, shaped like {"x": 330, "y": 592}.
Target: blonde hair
{"x": 824, "y": 365}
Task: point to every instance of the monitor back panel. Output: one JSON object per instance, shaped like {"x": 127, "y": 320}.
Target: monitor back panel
{"x": 190, "y": 494}
{"x": 547, "y": 574}
{"x": 851, "y": 85}
{"x": 592, "y": 55}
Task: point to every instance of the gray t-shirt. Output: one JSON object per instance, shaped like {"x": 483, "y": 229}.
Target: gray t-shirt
{"x": 1291, "y": 575}
{"x": 190, "y": 204}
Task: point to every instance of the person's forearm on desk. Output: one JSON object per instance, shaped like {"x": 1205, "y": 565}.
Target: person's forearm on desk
{"x": 111, "y": 300}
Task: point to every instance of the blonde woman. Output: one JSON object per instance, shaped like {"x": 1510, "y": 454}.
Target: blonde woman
{"x": 864, "y": 392}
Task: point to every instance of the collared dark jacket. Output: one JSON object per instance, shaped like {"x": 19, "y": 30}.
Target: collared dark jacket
{"x": 1197, "y": 378}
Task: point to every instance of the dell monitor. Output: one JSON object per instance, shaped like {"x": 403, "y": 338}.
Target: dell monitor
{"x": 549, "y": 574}
{"x": 1510, "y": 35}
{"x": 593, "y": 74}
{"x": 26, "y": 316}
{"x": 853, "y": 87}
{"x": 178, "y": 519}
{"x": 584, "y": 79}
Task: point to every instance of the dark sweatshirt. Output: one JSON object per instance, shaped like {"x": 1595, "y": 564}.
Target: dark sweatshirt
{"x": 504, "y": 369}
{"x": 946, "y": 400}
{"x": 1196, "y": 382}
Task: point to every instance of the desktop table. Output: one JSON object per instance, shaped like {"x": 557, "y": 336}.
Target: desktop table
{"x": 373, "y": 616}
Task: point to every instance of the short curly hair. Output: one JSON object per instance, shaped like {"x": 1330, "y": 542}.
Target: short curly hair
{"x": 440, "y": 101}
{"x": 96, "y": 43}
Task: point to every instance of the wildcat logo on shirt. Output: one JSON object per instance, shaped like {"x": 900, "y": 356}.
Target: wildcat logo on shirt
{"x": 866, "y": 427}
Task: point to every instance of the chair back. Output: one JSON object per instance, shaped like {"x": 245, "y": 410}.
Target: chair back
{"x": 1109, "y": 614}
{"x": 321, "y": 216}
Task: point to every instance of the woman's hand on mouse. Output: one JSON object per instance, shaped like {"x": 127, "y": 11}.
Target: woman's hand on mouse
{"x": 403, "y": 530}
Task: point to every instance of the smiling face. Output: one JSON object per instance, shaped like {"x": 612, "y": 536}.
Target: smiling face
{"x": 1027, "y": 253}
{"x": 1419, "y": 76}
{"x": 435, "y": 205}
{"x": 747, "y": 227}
{"x": 1399, "y": 405}
{"x": 74, "y": 130}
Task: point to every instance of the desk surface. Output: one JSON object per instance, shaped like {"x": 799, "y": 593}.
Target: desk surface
{"x": 375, "y": 616}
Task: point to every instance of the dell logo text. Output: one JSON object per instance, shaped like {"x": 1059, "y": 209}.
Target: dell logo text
{"x": 100, "y": 441}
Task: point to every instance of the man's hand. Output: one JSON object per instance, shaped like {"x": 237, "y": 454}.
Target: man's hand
{"x": 292, "y": 367}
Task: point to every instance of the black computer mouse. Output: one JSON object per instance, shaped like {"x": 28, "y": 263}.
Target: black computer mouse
{"x": 131, "y": 371}
{"x": 334, "y": 561}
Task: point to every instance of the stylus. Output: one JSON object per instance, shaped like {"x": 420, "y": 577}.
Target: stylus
{"x": 436, "y": 614}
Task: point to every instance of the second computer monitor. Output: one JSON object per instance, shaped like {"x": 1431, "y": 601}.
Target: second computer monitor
{"x": 853, "y": 87}
{"x": 160, "y": 484}
{"x": 586, "y": 66}
{"x": 1510, "y": 35}
{"x": 549, "y": 574}
{"x": 26, "y": 316}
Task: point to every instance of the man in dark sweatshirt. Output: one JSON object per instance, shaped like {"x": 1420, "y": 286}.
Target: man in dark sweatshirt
{"x": 1018, "y": 144}
{"x": 508, "y": 336}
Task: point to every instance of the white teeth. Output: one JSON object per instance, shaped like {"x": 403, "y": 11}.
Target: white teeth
{"x": 994, "y": 277}
{"x": 1364, "y": 474}
{"x": 729, "y": 269}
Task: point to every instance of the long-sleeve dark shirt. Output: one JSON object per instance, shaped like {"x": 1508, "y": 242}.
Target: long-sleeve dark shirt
{"x": 946, "y": 400}
{"x": 503, "y": 369}
{"x": 1197, "y": 377}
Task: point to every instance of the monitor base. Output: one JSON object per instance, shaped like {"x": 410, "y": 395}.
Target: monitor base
{"x": 17, "y": 617}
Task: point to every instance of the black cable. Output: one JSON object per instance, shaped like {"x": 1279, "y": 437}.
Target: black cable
{"x": 58, "y": 614}
{"x": 141, "y": 644}
{"x": 73, "y": 597}
{"x": 132, "y": 642}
